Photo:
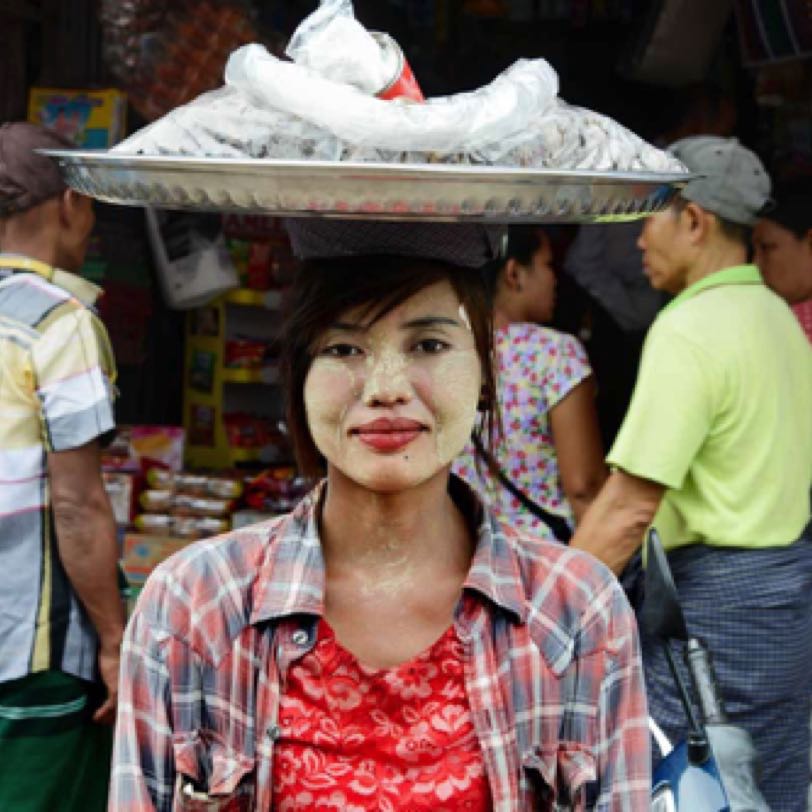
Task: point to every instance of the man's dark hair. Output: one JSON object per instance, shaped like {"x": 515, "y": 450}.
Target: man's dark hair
{"x": 735, "y": 232}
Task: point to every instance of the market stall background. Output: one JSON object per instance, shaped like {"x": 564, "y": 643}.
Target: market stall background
{"x": 100, "y": 69}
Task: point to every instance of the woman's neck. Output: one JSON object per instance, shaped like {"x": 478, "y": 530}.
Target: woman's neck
{"x": 407, "y": 532}
{"x": 502, "y": 319}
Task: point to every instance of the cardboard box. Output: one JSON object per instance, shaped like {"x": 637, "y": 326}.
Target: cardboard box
{"x": 93, "y": 119}
{"x": 143, "y": 552}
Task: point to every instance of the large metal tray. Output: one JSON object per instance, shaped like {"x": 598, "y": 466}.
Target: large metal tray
{"x": 363, "y": 190}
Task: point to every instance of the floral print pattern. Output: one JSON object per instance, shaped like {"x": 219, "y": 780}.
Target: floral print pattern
{"x": 358, "y": 739}
{"x": 537, "y": 368}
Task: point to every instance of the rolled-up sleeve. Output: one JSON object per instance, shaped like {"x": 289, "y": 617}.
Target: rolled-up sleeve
{"x": 71, "y": 364}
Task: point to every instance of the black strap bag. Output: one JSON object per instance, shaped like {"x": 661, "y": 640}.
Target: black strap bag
{"x": 559, "y": 526}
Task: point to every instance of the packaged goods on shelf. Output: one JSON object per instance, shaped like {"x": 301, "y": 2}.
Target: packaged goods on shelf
{"x": 262, "y": 263}
{"x": 276, "y": 490}
{"x": 182, "y": 527}
{"x": 163, "y": 444}
{"x": 248, "y": 353}
{"x": 120, "y": 487}
{"x": 93, "y": 119}
{"x": 142, "y": 552}
{"x": 195, "y": 484}
{"x": 187, "y": 505}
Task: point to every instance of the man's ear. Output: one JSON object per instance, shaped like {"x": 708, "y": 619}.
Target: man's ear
{"x": 696, "y": 220}
{"x": 67, "y": 207}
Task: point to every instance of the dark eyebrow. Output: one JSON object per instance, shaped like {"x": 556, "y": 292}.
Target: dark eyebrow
{"x": 348, "y": 327}
{"x": 423, "y": 321}
{"x": 431, "y": 321}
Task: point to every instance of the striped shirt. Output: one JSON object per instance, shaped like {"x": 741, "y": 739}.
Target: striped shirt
{"x": 56, "y": 373}
{"x": 552, "y": 668}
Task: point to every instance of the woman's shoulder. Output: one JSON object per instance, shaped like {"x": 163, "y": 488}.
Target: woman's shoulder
{"x": 214, "y": 576}
{"x": 539, "y": 337}
{"x": 570, "y": 591}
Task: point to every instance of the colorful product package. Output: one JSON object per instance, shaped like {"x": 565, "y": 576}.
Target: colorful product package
{"x": 93, "y": 119}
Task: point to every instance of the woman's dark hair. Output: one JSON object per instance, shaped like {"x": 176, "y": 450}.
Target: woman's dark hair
{"x": 522, "y": 243}
{"x": 324, "y": 289}
{"x": 793, "y": 207}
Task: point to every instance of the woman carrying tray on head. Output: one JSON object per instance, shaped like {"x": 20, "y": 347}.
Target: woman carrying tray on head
{"x": 388, "y": 645}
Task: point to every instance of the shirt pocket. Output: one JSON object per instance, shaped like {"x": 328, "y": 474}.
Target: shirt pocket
{"x": 212, "y": 776}
{"x": 560, "y": 780}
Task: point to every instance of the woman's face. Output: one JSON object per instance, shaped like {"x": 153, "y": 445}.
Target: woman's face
{"x": 785, "y": 261}
{"x": 391, "y": 404}
{"x": 538, "y": 285}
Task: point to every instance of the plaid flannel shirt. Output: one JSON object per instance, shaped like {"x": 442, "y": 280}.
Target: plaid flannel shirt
{"x": 553, "y": 669}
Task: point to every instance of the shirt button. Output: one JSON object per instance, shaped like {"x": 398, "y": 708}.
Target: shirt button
{"x": 274, "y": 732}
{"x": 300, "y": 637}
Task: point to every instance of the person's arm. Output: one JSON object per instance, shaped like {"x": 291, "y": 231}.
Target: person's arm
{"x": 578, "y": 447}
{"x": 86, "y": 538}
{"x": 614, "y": 525}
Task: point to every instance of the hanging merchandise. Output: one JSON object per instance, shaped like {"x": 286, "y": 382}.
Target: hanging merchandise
{"x": 191, "y": 258}
{"x": 164, "y": 54}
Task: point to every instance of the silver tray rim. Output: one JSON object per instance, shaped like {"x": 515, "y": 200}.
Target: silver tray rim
{"x": 367, "y": 190}
{"x": 372, "y": 171}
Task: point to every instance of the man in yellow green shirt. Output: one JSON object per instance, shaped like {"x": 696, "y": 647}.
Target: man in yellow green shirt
{"x": 716, "y": 452}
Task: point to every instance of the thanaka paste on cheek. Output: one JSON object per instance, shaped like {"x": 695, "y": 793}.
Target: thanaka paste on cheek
{"x": 459, "y": 374}
{"x": 328, "y": 386}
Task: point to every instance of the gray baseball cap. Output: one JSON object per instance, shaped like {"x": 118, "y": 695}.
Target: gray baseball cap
{"x": 734, "y": 183}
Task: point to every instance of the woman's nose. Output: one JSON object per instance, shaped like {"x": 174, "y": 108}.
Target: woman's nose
{"x": 386, "y": 381}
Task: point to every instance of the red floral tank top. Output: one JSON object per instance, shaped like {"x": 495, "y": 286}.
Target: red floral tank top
{"x": 356, "y": 739}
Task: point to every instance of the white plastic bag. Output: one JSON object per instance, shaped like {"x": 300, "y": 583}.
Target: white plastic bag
{"x": 331, "y": 42}
{"x": 497, "y": 113}
{"x": 323, "y": 107}
{"x": 192, "y": 263}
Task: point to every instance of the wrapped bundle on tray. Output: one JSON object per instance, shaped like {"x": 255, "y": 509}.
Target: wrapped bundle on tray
{"x": 322, "y": 106}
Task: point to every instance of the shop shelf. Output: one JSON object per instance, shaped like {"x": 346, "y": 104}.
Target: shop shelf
{"x": 269, "y": 299}
{"x": 268, "y": 375}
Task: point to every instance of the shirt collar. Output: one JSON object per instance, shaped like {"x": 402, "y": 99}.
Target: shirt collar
{"x": 736, "y": 275}
{"x": 494, "y": 574}
{"x": 82, "y": 289}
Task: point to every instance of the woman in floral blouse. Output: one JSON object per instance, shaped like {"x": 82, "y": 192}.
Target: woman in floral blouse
{"x": 387, "y": 646}
{"x": 549, "y": 444}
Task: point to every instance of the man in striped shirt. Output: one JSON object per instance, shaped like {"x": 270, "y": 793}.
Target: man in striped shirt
{"x": 61, "y": 618}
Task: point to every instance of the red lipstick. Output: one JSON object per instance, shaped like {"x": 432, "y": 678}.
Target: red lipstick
{"x": 388, "y": 435}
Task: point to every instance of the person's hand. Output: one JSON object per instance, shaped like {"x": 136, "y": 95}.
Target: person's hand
{"x": 109, "y": 662}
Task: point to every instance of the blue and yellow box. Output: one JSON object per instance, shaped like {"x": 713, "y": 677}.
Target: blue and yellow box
{"x": 93, "y": 119}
